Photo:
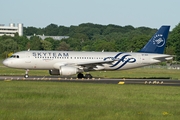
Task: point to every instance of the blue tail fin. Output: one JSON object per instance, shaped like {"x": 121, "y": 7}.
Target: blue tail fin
{"x": 158, "y": 42}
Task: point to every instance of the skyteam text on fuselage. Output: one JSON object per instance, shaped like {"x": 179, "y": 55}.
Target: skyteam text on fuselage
{"x": 74, "y": 62}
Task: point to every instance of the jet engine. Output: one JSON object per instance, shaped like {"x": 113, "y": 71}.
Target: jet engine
{"x": 64, "y": 70}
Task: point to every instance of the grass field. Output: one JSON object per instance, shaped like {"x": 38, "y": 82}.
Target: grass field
{"x": 33, "y": 100}
{"x": 30, "y": 100}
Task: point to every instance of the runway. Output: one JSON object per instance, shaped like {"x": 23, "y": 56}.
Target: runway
{"x": 94, "y": 80}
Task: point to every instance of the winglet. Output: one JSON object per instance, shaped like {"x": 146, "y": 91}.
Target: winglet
{"x": 158, "y": 42}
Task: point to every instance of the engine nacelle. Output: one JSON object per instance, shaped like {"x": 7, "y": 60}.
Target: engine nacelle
{"x": 64, "y": 70}
{"x": 67, "y": 70}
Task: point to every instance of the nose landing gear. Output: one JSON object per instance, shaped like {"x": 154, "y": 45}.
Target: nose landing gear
{"x": 26, "y": 73}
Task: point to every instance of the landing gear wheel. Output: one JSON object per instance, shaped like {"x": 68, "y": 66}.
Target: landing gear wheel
{"x": 26, "y": 75}
{"x": 80, "y": 75}
{"x": 88, "y": 76}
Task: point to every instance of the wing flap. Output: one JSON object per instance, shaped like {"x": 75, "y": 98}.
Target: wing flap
{"x": 94, "y": 62}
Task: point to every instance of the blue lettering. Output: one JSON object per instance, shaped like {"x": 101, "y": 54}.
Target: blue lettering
{"x": 54, "y": 54}
{"x": 34, "y": 54}
{"x": 59, "y": 54}
{"x": 44, "y": 54}
{"x": 39, "y": 54}
{"x": 65, "y": 54}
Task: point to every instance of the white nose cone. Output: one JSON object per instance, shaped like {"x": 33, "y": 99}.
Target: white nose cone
{"x": 5, "y": 62}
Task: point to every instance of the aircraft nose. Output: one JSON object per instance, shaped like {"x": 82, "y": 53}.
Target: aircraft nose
{"x": 5, "y": 62}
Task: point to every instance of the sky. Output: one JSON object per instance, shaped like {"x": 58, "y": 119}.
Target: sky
{"x": 138, "y": 13}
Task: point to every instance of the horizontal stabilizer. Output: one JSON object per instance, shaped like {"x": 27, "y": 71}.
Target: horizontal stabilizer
{"x": 164, "y": 58}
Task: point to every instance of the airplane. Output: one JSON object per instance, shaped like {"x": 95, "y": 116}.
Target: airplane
{"x": 67, "y": 63}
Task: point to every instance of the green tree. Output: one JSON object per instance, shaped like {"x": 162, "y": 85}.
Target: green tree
{"x": 51, "y": 30}
{"x": 54, "y": 43}
{"x": 35, "y": 43}
{"x": 137, "y": 42}
{"x": 45, "y": 45}
{"x": 95, "y": 37}
{"x": 30, "y": 31}
{"x": 63, "y": 31}
{"x": 174, "y": 41}
{"x": 10, "y": 45}
{"x": 7, "y": 46}
{"x": 64, "y": 46}
{"x": 103, "y": 45}
{"x": 21, "y": 41}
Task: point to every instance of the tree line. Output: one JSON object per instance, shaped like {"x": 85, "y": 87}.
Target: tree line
{"x": 88, "y": 37}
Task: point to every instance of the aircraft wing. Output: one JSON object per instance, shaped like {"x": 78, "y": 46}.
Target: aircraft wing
{"x": 95, "y": 62}
{"x": 86, "y": 66}
{"x": 96, "y": 65}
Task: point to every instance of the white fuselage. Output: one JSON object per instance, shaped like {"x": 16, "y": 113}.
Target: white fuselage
{"x": 46, "y": 60}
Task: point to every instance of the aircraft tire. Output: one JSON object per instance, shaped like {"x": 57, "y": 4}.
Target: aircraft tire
{"x": 26, "y": 76}
{"x": 80, "y": 75}
{"x": 88, "y": 76}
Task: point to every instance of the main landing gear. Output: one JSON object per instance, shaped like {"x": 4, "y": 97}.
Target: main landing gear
{"x": 26, "y": 73}
{"x": 87, "y": 76}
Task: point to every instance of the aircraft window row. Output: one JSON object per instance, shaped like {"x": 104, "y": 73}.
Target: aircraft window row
{"x": 14, "y": 56}
{"x": 71, "y": 57}
{"x": 87, "y": 58}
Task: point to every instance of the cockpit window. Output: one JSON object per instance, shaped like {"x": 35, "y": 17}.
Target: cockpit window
{"x": 14, "y": 56}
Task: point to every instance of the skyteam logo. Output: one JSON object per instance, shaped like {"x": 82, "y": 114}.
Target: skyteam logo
{"x": 120, "y": 60}
{"x": 159, "y": 40}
